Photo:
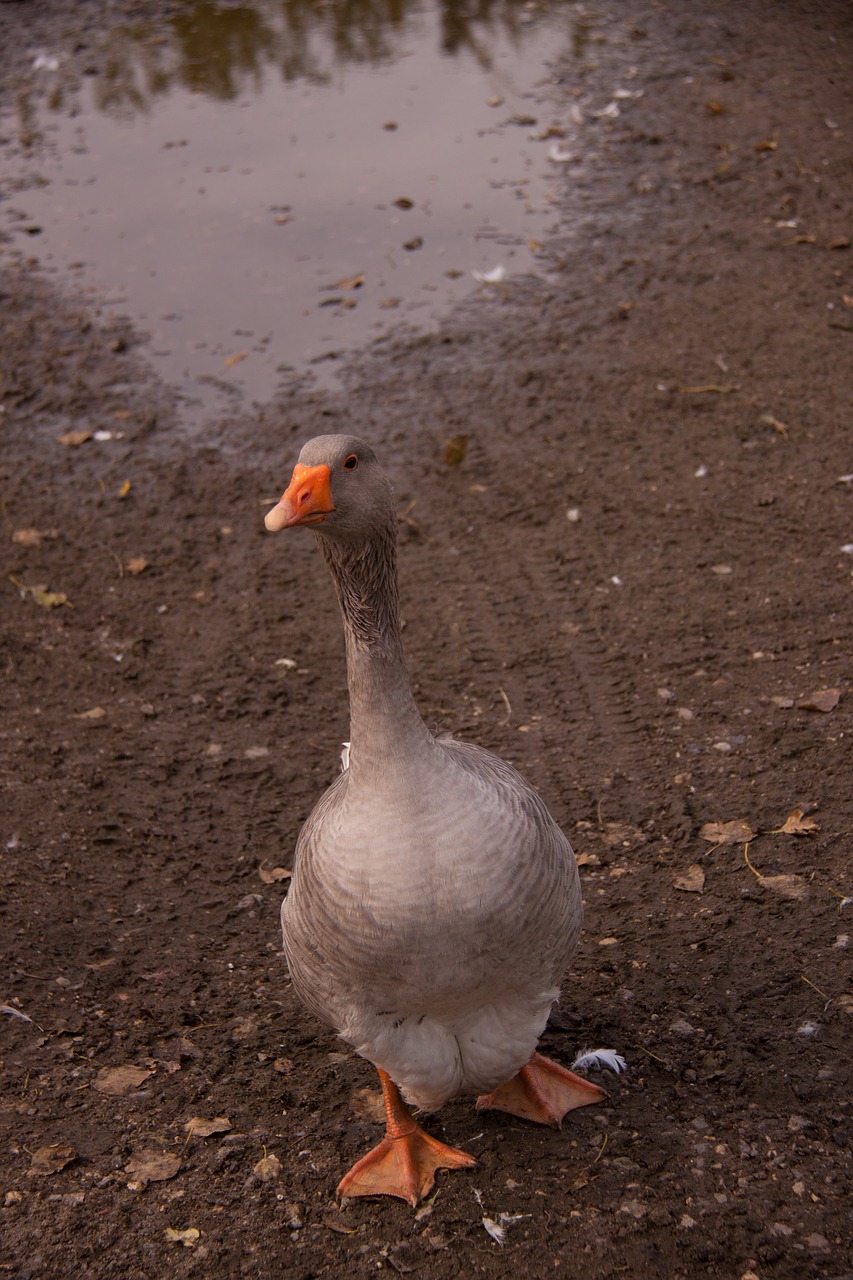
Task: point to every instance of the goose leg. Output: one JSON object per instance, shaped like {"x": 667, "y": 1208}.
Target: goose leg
{"x": 542, "y": 1091}
{"x": 405, "y": 1161}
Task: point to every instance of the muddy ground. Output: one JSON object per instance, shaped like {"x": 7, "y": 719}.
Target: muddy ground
{"x": 673, "y": 653}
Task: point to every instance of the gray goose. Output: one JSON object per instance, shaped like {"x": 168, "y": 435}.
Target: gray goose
{"x": 435, "y": 904}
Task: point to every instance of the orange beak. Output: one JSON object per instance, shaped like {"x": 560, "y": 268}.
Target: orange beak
{"x": 306, "y": 500}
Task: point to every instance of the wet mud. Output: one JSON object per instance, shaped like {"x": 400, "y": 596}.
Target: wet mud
{"x": 635, "y": 586}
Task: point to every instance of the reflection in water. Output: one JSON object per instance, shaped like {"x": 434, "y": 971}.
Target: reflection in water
{"x": 233, "y": 183}
{"x": 223, "y": 52}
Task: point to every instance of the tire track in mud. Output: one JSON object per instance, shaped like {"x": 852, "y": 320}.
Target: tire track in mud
{"x": 531, "y": 660}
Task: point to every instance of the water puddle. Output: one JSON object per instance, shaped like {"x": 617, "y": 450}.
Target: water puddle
{"x": 268, "y": 187}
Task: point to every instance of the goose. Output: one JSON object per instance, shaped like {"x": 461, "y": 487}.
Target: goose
{"x": 434, "y": 904}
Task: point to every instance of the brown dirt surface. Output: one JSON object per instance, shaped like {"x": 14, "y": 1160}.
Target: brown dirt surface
{"x": 632, "y": 587}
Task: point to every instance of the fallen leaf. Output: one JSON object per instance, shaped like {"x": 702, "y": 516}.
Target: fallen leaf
{"x": 46, "y": 599}
{"x": 820, "y": 700}
{"x": 120, "y": 1081}
{"x": 622, "y": 834}
{"x": 94, "y": 713}
{"x": 125, "y": 489}
{"x": 272, "y": 875}
{"x": 344, "y": 1229}
{"x": 455, "y": 450}
{"x": 136, "y": 565}
{"x": 404, "y": 203}
{"x": 51, "y": 1159}
{"x": 199, "y": 1128}
{"x": 692, "y": 881}
{"x": 417, "y": 242}
{"x": 768, "y": 420}
{"x": 354, "y": 282}
{"x": 230, "y": 361}
{"x": 767, "y": 144}
{"x": 588, "y": 860}
{"x": 787, "y": 886}
{"x": 268, "y": 1169}
{"x": 187, "y": 1237}
{"x": 796, "y": 824}
{"x": 734, "y": 832}
{"x": 838, "y": 242}
{"x": 33, "y": 537}
{"x": 49, "y": 599}
{"x": 71, "y": 439}
{"x": 153, "y": 1166}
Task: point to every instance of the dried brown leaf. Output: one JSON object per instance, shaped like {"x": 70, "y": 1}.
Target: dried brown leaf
{"x": 793, "y": 887}
{"x": 33, "y": 537}
{"x": 119, "y": 1081}
{"x": 271, "y": 875}
{"x": 621, "y": 834}
{"x": 268, "y": 1169}
{"x": 336, "y": 1223}
{"x": 230, "y": 361}
{"x": 735, "y": 832}
{"x": 153, "y": 1166}
{"x": 796, "y": 824}
{"x": 821, "y": 700}
{"x": 51, "y": 1159}
{"x": 136, "y": 565}
{"x": 71, "y": 439}
{"x": 353, "y": 282}
{"x": 49, "y": 599}
{"x": 94, "y": 713}
{"x": 200, "y": 1128}
{"x": 188, "y": 1237}
{"x": 692, "y": 881}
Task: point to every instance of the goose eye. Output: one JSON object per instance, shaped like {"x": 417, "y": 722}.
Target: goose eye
{"x": 351, "y": 462}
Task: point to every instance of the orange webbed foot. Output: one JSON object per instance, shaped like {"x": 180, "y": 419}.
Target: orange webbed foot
{"x": 404, "y": 1163}
{"x": 543, "y": 1091}
{"x": 403, "y": 1167}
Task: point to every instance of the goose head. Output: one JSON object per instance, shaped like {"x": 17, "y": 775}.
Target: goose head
{"x": 338, "y": 489}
